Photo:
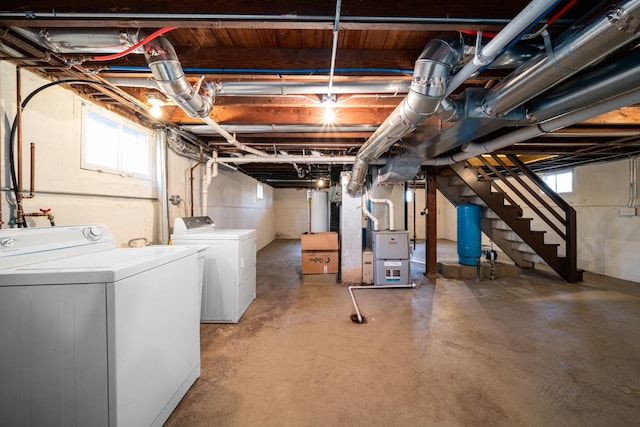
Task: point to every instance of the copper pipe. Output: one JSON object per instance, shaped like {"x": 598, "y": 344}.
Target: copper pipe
{"x": 32, "y": 183}
{"x": 19, "y": 211}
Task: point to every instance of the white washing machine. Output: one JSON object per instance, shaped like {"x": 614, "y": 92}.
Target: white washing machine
{"x": 91, "y": 334}
{"x": 229, "y": 285}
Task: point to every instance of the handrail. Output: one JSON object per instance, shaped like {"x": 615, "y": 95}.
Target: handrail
{"x": 497, "y": 187}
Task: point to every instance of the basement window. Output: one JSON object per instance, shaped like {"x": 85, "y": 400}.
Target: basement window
{"x": 110, "y": 144}
{"x": 560, "y": 182}
{"x": 259, "y": 191}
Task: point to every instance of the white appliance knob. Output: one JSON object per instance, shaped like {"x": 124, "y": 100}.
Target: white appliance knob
{"x": 7, "y": 241}
{"x": 93, "y": 233}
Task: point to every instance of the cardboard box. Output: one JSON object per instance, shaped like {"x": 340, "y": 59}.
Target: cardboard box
{"x": 319, "y": 241}
{"x": 319, "y": 262}
{"x": 320, "y": 279}
{"x": 319, "y": 253}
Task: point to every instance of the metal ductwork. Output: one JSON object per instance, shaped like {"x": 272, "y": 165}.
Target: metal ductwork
{"x": 166, "y": 69}
{"x": 82, "y": 40}
{"x": 582, "y": 47}
{"x": 474, "y": 115}
{"x": 428, "y": 86}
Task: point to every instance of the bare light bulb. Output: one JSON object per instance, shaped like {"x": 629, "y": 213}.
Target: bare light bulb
{"x": 156, "y": 111}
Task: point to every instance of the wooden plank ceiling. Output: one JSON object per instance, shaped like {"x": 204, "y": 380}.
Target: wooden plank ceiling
{"x": 290, "y": 42}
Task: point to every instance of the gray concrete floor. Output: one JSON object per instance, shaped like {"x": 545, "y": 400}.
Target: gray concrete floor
{"x": 529, "y": 350}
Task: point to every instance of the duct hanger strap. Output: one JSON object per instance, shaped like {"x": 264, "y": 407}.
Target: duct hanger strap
{"x": 622, "y": 20}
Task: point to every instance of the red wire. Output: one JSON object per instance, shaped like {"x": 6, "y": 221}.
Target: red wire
{"x": 561, "y": 12}
{"x": 484, "y": 34}
{"x": 134, "y": 47}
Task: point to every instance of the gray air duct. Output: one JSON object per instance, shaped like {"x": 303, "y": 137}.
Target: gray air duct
{"x": 428, "y": 86}
{"x": 166, "y": 69}
{"x": 588, "y": 45}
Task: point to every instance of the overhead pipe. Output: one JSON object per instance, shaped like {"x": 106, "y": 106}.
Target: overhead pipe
{"x": 471, "y": 150}
{"x": 613, "y": 78}
{"x": 334, "y": 46}
{"x": 428, "y": 85}
{"x": 485, "y": 56}
{"x": 286, "y": 128}
{"x": 590, "y": 44}
{"x": 165, "y": 67}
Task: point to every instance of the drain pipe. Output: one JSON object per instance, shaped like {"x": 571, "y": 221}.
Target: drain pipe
{"x": 368, "y": 213}
{"x": 211, "y": 171}
{"x": 358, "y": 318}
{"x": 633, "y": 182}
{"x": 389, "y": 204}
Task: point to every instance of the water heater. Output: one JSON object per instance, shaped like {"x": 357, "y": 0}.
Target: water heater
{"x": 318, "y": 205}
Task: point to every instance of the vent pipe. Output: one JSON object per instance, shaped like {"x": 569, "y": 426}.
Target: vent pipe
{"x": 431, "y": 71}
{"x": 170, "y": 78}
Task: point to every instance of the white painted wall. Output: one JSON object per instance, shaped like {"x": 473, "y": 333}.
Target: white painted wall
{"x": 76, "y": 196}
{"x": 127, "y": 205}
{"x": 608, "y": 243}
{"x": 233, "y": 203}
{"x": 291, "y": 212}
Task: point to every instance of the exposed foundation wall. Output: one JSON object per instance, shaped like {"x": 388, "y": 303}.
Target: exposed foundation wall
{"x": 291, "y": 212}
{"x": 607, "y": 242}
{"x": 52, "y": 120}
{"x": 232, "y": 202}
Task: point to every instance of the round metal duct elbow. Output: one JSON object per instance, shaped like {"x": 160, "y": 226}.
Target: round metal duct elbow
{"x": 358, "y": 176}
{"x": 166, "y": 69}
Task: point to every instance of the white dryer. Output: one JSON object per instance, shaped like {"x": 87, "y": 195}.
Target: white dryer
{"x": 229, "y": 285}
{"x": 91, "y": 334}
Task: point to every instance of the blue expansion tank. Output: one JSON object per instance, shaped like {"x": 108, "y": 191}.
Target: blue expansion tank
{"x": 469, "y": 237}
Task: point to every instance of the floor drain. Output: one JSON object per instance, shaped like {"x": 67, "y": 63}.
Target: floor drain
{"x": 354, "y": 319}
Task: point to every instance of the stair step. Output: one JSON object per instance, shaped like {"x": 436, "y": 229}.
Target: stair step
{"x": 473, "y": 199}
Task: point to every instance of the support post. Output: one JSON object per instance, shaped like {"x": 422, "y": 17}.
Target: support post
{"x": 432, "y": 229}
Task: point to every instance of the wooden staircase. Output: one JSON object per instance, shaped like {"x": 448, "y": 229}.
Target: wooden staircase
{"x": 502, "y": 219}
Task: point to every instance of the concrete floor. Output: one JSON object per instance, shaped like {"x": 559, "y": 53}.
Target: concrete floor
{"x": 529, "y": 350}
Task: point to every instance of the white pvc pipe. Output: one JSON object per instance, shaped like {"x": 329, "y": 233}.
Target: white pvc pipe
{"x": 389, "y": 204}
{"x": 289, "y": 159}
{"x": 488, "y": 53}
{"x": 232, "y": 139}
{"x": 211, "y": 171}
{"x": 353, "y": 298}
{"x": 368, "y": 213}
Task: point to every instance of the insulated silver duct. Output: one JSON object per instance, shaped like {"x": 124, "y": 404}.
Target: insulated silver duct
{"x": 590, "y": 44}
{"x": 166, "y": 69}
{"x": 614, "y": 78}
{"x": 431, "y": 71}
{"x": 82, "y": 40}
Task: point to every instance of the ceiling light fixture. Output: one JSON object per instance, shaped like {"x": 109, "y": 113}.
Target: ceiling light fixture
{"x": 329, "y": 115}
{"x": 156, "y": 100}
